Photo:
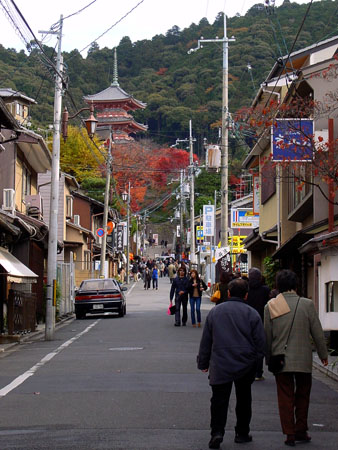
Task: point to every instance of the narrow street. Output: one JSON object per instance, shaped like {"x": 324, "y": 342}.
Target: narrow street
{"x": 132, "y": 383}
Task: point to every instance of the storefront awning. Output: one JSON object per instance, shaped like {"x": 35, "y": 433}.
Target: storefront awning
{"x": 17, "y": 272}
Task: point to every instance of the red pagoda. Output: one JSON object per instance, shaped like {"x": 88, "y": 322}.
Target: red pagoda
{"x": 112, "y": 106}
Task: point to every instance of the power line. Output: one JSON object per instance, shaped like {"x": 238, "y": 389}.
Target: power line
{"x": 79, "y": 11}
{"x": 117, "y": 22}
{"x": 291, "y": 50}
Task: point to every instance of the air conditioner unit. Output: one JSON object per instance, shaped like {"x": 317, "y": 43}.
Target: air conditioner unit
{"x": 34, "y": 206}
{"x": 77, "y": 219}
{"x": 9, "y": 200}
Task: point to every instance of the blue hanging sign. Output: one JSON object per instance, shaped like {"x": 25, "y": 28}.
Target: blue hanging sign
{"x": 292, "y": 140}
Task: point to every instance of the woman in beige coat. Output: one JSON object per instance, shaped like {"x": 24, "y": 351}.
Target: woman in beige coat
{"x": 294, "y": 380}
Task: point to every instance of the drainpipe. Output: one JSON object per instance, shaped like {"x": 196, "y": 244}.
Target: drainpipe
{"x": 269, "y": 241}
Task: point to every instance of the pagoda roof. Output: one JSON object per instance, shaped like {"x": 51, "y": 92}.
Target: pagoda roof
{"x": 113, "y": 94}
{"x": 121, "y": 122}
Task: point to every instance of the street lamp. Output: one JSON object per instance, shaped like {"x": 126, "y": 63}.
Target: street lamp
{"x": 126, "y": 199}
{"x": 90, "y": 122}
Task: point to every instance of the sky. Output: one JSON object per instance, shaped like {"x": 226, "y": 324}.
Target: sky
{"x": 149, "y": 18}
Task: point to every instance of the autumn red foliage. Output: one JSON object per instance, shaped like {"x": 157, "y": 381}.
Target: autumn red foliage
{"x": 147, "y": 168}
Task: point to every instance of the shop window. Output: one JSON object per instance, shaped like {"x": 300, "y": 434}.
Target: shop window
{"x": 332, "y": 296}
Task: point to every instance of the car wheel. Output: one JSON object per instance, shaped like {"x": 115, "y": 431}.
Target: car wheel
{"x": 80, "y": 316}
{"x": 125, "y": 309}
{"x": 121, "y": 311}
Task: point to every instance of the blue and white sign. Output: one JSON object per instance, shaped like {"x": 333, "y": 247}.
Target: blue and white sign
{"x": 208, "y": 220}
{"x": 244, "y": 218}
{"x": 291, "y": 140}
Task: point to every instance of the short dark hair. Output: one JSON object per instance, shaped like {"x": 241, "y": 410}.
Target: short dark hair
{"x": 183, "y": 269}
{"x": 238, "y": 288}
{"x": 286, "y": 280}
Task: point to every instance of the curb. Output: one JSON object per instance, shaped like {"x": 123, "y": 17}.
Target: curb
{"x": 328, "y": 372}
{"x": 33, "y": 335}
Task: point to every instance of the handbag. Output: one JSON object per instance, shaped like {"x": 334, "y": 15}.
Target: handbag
{"x": 171, "y": 310}
{"x": 216, "y": 295}
{"x": 277, "y": 362}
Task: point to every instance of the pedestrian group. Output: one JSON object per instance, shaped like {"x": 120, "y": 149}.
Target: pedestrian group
{"x": 248, "y": 323}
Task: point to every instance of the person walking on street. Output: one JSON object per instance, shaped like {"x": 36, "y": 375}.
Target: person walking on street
{"x": 258, "y": 297}
{"x": 179, "y": 290}
{"x": 232, "y": 343}
{"x": 171, "y": 272}
{"x": 134, "y": 271}
{"x": 147, "y": 278}
{"x": 161, "y": 267}
{"x": 224, "y": 280}
{"x": 154, "y": 276}
{"x": 290, "y": 321}
{"x": 195, "y": 287}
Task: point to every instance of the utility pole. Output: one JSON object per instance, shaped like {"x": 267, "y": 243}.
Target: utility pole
{"x": 128, "y": 232}
{"x": 54, "y": 198}
{"x": 191, "y": 140}
{"x": 192, "y": 197}
{"x": 224, "y": 146}
{"x": 181, "y": 212}
{"x": 106, "y": 208}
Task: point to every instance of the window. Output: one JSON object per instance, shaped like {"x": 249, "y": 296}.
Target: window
{"x": 69, "y": 206}
{"x": 268, "y": 180}
{"x": 87, "y": 260}
{"x": 332, "y": 296}
{"x": 19, "y": 110}
{"x": 299, "y": 184}
{"x": 26, "y": 182}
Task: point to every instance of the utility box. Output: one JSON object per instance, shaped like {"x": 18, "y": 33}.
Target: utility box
{"x": 213, "y": 157}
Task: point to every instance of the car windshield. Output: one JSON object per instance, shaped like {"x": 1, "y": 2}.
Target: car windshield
{"x": 98, "y": 285}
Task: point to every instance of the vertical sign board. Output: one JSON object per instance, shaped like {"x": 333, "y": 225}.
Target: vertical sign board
{"x": 119, "y": 238}
{"x": 291, "y": 140}
{"x": 178, "y": 230}
{"x": 199, "y": 234}
{"x": 208, "y": 220}
{"x": 124, "y": 224}
{"x": 256, "y": 194}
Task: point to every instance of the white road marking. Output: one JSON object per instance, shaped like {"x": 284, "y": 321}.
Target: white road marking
{"x": 129, "y": 290}
{"x": 22, "y": 378}
{"x": 121, "y": 349}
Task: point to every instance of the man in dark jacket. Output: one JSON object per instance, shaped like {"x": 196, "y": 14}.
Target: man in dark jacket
{"x": 232, "y": 343}
{"x": 258, "y": 297}
{"x": 179, "y": 289}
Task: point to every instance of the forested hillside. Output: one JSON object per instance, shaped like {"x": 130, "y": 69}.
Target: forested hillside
{"x": 177, "y": 86}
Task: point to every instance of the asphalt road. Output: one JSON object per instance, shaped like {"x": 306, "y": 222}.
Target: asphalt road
{"x": 132, "y": 383}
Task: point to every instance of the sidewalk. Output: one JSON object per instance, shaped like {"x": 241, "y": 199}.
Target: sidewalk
{"x": 331, "y": 370}
{"x": 38, "y": 333}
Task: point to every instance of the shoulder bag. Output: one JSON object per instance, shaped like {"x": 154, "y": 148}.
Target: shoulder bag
{"x": 216, "y": 295}
{"x": 277, "y": 362}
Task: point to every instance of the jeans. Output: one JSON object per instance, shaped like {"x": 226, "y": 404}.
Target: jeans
{"x": 155, "y": 283}
{"x": 195, "y": 302}
{"x": 181, "y": 300}
{"x": 220, "y": 403}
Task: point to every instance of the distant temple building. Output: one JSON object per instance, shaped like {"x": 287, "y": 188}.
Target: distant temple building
{"x": 112, "y": 106}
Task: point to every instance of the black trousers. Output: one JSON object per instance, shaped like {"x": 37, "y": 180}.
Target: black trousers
{"x": 220, "y": 403}
{"x": 181, "y": 300}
